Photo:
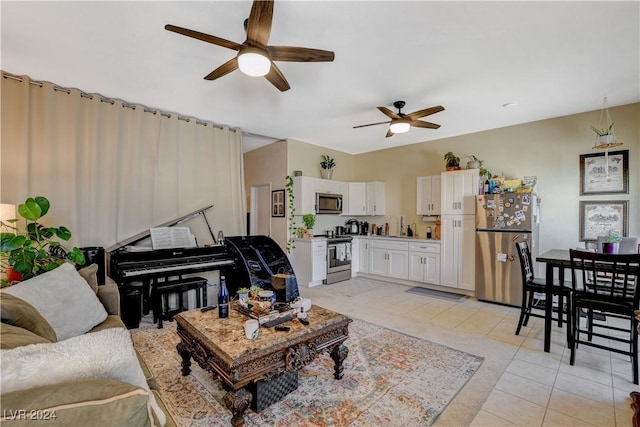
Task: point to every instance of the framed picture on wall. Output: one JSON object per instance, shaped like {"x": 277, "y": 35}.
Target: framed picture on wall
{"x": 277, "y": 203}
{"x": 599, "y": 217}
{"x": 604, "y": 173}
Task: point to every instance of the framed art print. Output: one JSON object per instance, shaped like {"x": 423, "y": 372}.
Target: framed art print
{"x": 597, "y": 218}
{"x": 277, "y": 203}
{"x": 604, "y": 173}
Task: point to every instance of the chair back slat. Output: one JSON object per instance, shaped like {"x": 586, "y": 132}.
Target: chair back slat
{"x": 614, "y": 277}
{"x": 524, "y": 253}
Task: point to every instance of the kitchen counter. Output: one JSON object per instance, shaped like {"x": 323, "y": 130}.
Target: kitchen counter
{"x": 400, "y": 238}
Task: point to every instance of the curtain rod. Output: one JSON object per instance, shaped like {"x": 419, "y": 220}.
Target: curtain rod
{"x": 133, "y": 106}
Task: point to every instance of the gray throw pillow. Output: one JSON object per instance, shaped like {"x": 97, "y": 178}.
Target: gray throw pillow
{"x": 90, "y": 274}
{"x": 63, "y": 298}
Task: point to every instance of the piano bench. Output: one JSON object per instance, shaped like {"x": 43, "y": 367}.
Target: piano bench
{"x": 160, "y": 292}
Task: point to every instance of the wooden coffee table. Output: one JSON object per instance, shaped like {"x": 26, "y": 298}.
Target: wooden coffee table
{"x": 220, "y": 347}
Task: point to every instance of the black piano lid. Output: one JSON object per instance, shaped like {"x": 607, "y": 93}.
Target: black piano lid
{"x": 145, "y": 234}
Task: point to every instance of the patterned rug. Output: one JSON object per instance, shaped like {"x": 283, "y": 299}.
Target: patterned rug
{"x": 390, "y": 379}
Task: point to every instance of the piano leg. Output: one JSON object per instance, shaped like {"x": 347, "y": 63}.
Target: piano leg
{"x": 146, "y": 296}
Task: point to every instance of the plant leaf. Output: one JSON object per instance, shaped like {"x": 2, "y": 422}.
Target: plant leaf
{"x": 10, "y": 242}
{"x": 30, "y": 210}
{"x": 44, "y": 204}
{"x": 63, "y": 233}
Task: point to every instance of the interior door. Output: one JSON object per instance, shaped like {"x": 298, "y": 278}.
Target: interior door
{"x": 261, "y": 210}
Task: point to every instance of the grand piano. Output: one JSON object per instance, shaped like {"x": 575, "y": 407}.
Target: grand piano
{"x": 137, "y": 272}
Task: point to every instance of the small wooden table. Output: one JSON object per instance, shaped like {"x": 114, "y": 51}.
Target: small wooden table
{"x": 220, "y": 347}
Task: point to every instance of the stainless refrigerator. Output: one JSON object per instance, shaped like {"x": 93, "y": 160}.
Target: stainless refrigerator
{"x": 501, "y": 221}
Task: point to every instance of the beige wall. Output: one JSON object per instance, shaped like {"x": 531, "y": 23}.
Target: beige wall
{"x": 268, "y": 165}
{"x": 549, "y": 149}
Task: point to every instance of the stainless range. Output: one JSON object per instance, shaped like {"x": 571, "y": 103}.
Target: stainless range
{"x": 338, "y": 259}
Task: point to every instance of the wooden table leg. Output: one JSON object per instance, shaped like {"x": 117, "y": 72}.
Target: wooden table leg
{"x": 548, "y": 308}
{"x": 338, "y": 354}
{"x": 186, "y": 358}
{"x": 237, "y": 402}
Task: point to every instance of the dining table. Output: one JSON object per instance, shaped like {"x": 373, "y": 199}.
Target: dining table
{"x": 554, "y": 259}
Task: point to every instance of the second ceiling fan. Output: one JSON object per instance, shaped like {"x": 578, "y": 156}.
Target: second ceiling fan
{"x": 401, "y": 122}
{"x": 255, "y": 57}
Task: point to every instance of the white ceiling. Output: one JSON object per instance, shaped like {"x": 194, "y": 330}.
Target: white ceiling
{"x": 551, "y": 58}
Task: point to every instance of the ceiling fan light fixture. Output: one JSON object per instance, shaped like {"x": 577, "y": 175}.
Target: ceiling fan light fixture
{"x": 399, "y": 126}
{"x": 252, "y": 62}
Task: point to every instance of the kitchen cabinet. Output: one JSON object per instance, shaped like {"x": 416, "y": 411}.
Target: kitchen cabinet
{"x": 363, "y": 255}
{"x": 389, "y": 258}
{"x": 355, "y": 199}
{"x": 424, "y": 262}
{"x": 304, "y": 193}
{"x": 428, "y": 195}
{"x": 457, "y": 266}
{"x": 375, "y": 198}
{"x": 329, "y": 186}
{"x": 458, "y": 191}
{"x": 309, "y": 259}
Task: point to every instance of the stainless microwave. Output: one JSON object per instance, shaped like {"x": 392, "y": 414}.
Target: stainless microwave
{"x": 327, "y": 203}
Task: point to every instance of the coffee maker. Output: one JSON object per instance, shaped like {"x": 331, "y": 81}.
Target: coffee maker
{"x": 352, "y": 226}
{"x": 364, "y": 228}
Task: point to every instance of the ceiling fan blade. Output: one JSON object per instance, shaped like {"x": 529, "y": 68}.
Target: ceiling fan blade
{"x": 299, "y": 54}
{"x": 389, "y": 133}
{"x": 259, "y": 25}
{"x": 223, "y": 70}
{"x": 421, "y": 124}
{"x": 425, "y": 112}
{"x": 389, "y": 113}
{"x": 277, "y": 79}
{"x": 370, "y": 124}
{"x": 202, "y": 36}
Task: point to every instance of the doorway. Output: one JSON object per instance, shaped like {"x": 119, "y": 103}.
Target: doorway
{"x": 261, "y": 210}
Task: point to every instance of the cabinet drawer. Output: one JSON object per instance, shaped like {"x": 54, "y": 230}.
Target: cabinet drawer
{"x": 386, "y": 244}
{"x": 319, "y": 246}
{"x": 425, "y": 247}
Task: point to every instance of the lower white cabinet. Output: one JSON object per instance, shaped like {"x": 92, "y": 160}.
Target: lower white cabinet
{"x": 309, "y": 260}
{"x": 458, "y": 251}
{"x": 363, "y": 256}
{"x": 389, "y": 258}
{"x": 424, "y": 262}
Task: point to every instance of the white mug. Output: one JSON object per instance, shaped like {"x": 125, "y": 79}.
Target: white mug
{"x": 251, "y": 328}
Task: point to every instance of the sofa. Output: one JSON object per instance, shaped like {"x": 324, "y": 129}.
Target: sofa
{"x": 67, "y": 357}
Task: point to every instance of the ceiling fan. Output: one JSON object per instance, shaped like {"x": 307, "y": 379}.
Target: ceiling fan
{"x": 255, "y": 57}
{"x": 401, "y": 122}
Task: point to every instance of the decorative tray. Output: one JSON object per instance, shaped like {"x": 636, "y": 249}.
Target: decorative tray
{"x": 262, "y": 317}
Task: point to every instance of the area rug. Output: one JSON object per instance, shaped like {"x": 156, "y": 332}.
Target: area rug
{"x": 437, "y": 294}
{"x": 390, "y": 379}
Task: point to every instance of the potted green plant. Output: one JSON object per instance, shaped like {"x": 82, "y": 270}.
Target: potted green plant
{"x": 254, "y": 290}
{"x": 243, "y": 294}
{"x": 35, "y": 252}
{"x": 611, "y": 243}
{"x": 309, "y": 221}
{"x": 453, "y": 161}
{"x": 605, "y": 136}
{"x": 327, "y": 164}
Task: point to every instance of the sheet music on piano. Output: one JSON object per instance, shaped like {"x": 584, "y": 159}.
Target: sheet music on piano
{"x": 172, "y": 238}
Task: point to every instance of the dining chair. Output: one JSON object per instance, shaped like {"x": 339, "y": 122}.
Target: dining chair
{"x": 607, "y": 283}
{"x": 531, "y": 286}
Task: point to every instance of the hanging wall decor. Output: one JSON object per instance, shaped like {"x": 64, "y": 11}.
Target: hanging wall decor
{"x": 277, "y": 203}
{"x": 597, "y": 218}
{"x": 604, "y": 173}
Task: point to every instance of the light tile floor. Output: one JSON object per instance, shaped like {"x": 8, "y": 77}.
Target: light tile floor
{"x": 518, "y": 384}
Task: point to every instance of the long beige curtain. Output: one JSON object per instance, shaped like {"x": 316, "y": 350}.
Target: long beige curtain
{"x": 112, "y": 170}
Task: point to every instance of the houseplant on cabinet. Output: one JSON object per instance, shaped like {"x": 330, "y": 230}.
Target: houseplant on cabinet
{"x": 34, "y": 252}
{"x": 327, "y": 164}
{"x": 309, "y": 221}
{"x": 453, "y": 161}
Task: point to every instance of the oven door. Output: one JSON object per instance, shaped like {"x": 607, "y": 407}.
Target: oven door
{"x": 338, "y": 257}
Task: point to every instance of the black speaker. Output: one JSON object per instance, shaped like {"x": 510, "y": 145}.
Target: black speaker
{"x": 95, "y": 255}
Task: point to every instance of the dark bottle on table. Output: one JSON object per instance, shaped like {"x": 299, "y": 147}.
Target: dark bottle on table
{"x": 223, "y": 299}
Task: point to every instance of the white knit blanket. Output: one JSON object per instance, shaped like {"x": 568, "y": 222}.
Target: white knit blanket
{"x": 104, "y": 354}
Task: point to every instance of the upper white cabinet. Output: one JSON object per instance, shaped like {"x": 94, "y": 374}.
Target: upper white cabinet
{"x": 375, "y": 198}
{"x": 428, "y": 195}
{"x": 458, "y": 191}
{"x": 330, "y": 187}
{"x": 304, "y": 192}
{"x": 355, "y": 199}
